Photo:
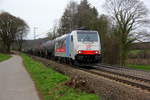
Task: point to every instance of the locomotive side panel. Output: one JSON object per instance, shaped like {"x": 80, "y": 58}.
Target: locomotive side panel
{"x": 62, "y": 46}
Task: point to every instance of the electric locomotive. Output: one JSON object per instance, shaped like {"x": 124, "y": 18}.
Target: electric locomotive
{"x": 81, "y": 46}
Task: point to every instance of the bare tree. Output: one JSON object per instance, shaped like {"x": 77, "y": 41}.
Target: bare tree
{"x": 21, "y": 34}
{"x": 9, "y": 27}
{"x": 128, "y": 16}
{"x": 143, "y": 36}
{"x": 53, "y": 33}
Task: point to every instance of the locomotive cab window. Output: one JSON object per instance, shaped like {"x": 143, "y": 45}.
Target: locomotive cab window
{"x": 87, "y": 36}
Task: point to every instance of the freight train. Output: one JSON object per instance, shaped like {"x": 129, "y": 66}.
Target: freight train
{"x": 79, "y": 46}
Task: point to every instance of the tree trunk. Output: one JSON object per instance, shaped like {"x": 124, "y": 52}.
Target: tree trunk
{"x": 19, "y": 44}
{"x": 20, "y": 47}
{"x": 8, "y": 48}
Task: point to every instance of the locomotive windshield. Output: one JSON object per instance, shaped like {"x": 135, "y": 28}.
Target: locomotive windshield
{"x": 87, "y": 36}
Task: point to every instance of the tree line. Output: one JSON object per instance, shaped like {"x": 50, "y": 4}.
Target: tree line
{"x": 12, "y": 31}
{"x": 123, "y": 24}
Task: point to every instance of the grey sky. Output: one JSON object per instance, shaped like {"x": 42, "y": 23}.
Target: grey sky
{"x": 42, "y": 13}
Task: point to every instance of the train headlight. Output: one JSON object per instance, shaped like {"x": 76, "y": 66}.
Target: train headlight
{"x": 97, "y": 52}
{"x": 79, "y": 52}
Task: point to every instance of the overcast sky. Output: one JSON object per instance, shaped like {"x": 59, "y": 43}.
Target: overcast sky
{"x": 43, "y": 13}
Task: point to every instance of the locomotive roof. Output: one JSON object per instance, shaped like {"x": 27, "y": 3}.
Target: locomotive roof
{"x": 86, "y": 31}
{"x": 61, "y": 37}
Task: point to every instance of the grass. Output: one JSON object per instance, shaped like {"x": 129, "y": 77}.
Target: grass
{"x": 50, "y": 83}
{"x": 4, "y": 57}
{"x": 135, "y": 52}
{"x": 141, "y": 67}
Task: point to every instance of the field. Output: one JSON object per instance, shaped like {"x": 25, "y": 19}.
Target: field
{"x": 4, "y": 57}
{"x": 50, "y": 83}
{"x": 140, "y": 67}
{"x": 139, "y": 59}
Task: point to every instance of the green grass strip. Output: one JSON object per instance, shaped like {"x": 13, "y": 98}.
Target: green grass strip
{"x": 50, "y": 83}
{"x": 135, "y": 52}
{"x": 141, "y": 67}
{"x": 4, "y": 57}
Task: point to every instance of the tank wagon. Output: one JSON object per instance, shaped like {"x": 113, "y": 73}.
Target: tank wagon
{"x": 81, "y": 46}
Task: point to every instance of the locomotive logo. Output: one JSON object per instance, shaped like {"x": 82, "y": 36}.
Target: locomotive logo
{"x": 88, "y": 47}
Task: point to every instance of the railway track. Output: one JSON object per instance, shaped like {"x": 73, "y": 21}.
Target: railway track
{"x": 136, "y": 82}
{"x": 122, "y": 74}
{"x": 143, "y": 84}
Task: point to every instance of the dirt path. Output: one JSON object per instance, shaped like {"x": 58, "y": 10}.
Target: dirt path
{"x": 15, "y": 83}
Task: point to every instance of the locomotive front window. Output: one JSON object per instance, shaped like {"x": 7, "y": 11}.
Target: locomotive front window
{"x": 87, "y": 36}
